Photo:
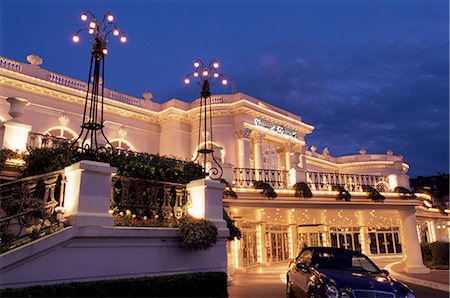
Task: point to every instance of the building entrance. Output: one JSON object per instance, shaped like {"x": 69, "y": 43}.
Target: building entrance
{"x": 384, "y": 240}
{"x": 347, "y": 238}
{"x": 249, "y": 247}
{"x": 277, "y": 244}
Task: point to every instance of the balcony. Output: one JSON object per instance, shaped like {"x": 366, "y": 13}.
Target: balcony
{"x": 351, "y": 182}
{"x": 246, "y": 177}
{"x": 317, "y": 181}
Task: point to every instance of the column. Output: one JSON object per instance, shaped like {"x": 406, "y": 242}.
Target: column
{"x": 432, "y": 229}
{"x": 14, "y": 133}
{"x": 257, "y": 154}
{"x": 243, "y": 142}
{"x": 398, "y": 180}
{"x": 412, "y": 251}
{"x": 292, "y": 238}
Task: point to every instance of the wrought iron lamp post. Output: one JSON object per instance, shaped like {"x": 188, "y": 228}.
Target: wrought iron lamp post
{"x": 93, "y": 107}
{"x": 204, "y": 74}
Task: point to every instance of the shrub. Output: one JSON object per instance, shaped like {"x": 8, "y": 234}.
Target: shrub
{"x": 200, "y": 284}
{"x": 267, "y": 189}
{"x": 130, "y": 164}
{"x": 197, "y": 234}
{"x": 343, "y": 194}
{"x": 426, "y": 251}
{"x": 404, "y": 192}
{"x": 5, "y": 154}
{"x": 302, "y": 190}
{"x": 228, "y": 192}
{"x": 440, "y": 253}
{"x": 235, "y": 232}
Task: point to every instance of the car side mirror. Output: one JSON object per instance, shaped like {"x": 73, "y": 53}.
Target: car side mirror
{"x": 385, "y": 272}
{"x": 302, "y": 266}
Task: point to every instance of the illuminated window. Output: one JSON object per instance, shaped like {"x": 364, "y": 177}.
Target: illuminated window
{"x": 62, "y": 132}
{"x": 122, "y": 144}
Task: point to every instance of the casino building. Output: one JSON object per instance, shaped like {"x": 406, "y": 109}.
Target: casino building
{"x": 254, "y": 141}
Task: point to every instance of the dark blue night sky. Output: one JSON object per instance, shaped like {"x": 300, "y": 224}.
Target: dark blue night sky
{"x": 368, "y": 75}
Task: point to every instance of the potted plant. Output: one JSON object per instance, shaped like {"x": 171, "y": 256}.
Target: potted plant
{"x": 343, "y": 194}
{"x": 374, "y": 195}
{"x": 302, "y": 190}
{"x": 267, "y": 189}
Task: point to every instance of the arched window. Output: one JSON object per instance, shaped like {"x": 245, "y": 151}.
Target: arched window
{"x": 122, "y": 144}
{"x": 62, "y": 132}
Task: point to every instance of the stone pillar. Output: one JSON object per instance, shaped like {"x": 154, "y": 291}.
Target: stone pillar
{"x": 206, "y": 199}
{"x": 257, "y": 149}
{"x": 433, "y": 230}
{"x": 398, "y": 180}
{"x": 300, "y": 169}
{"x": 14, "y": 133}
{"x": 293, "y": 243}
{"x": 243, "y": 142}
{"x": 87, "y": 195}
{"x": 413, "y": 254}
{"x": 262, "y": 251}
{"x": 228, "y": 173}
{"x": 364, "y": 239}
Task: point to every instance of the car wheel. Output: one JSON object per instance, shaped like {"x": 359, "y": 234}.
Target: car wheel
{"x": 289, "y": 292}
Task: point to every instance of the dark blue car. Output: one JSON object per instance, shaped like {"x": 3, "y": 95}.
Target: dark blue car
{"x": 335, "y": 272}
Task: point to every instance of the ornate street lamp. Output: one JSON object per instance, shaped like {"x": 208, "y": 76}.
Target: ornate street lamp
{"x": 92, "y": 125}
{"x": 204, "y": 74}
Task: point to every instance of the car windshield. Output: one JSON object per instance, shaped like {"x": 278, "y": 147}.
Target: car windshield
{"x": 343, "y": 260}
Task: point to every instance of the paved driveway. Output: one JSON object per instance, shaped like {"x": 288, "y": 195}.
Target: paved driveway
{"x": 271, "y": 282}
{"x": 260, "y": 282}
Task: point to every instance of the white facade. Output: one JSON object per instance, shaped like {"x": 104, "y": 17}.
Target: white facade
{"x": 254, "y": 141}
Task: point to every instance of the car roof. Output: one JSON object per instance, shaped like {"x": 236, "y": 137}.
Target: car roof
{"x": 328, "y": 249}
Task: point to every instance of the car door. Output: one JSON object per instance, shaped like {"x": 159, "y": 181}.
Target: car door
{"x": 300, "y": 277}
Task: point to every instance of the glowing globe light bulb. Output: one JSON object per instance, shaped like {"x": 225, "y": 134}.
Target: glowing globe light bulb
{"x": 75, "y": 38}
{"x": 105, "y": 51}
{"x": 91, "y": 31}
{"x": 187, "y": 81}
{"x": 205, "y": 73}
{"x": 84, "y": 17}
{"x": 110, "y": 17}
{"x": 216, "y": 65}
{"x": 195, "y": 74}
{"x": 224, "y": 82}
{"x": 123, "y": 39}
{"x": 216, "y": 75}
{"x": 92, "y": 24}
{"x": 116, "y": 32}
{"x": 196, "y": 64}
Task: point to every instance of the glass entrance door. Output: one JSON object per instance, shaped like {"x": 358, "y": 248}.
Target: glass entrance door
{"x": 249, "y": 248}
{"x": 347, "y": 238}
{"x": 384, "y": 241}
{"x": 277, "y": 246}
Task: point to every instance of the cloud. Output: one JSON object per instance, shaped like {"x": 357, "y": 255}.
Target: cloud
{"x": 378, "y": 96}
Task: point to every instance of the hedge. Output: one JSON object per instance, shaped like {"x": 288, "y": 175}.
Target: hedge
{"x": 201, "y": 284}
{"x": 436, "y": 253}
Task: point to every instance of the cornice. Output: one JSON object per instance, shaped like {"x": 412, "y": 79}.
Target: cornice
{"x": 111, "y": 106}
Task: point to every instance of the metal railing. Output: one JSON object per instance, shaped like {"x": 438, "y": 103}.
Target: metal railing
{"x": 246, "y": 177}
{"x": 148, "y": 197}
{"x": 27, "y": 206}
{"x": 38, "y": 140}
{"x": 351, "y": 182}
